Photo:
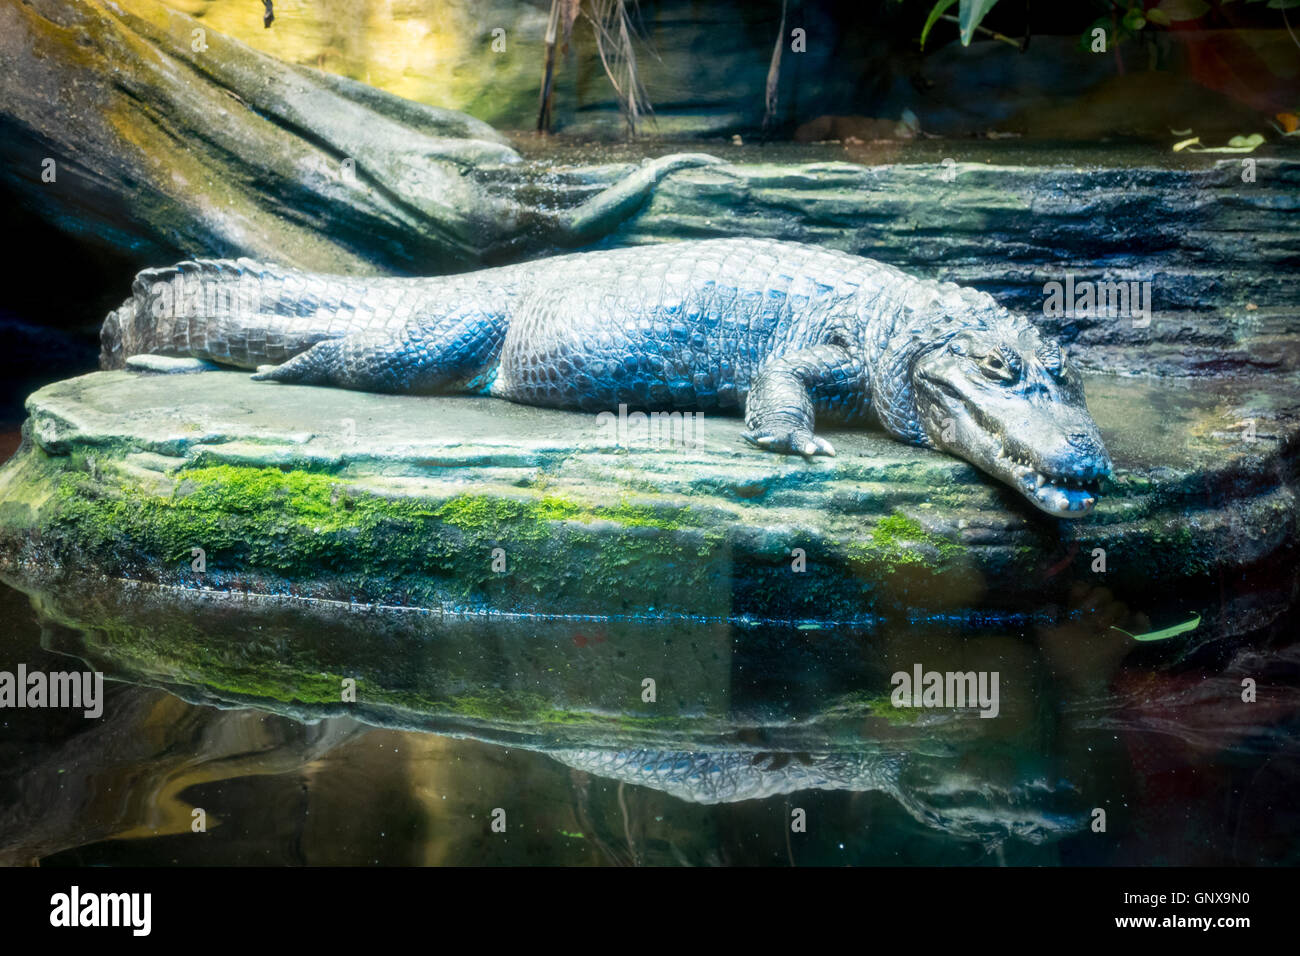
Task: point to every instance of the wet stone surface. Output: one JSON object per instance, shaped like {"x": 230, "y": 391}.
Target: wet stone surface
{"x": 474, "y": 504}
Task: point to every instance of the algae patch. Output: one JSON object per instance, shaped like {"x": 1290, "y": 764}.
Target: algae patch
{"x": 304, "y": 526}
{"x": 901, "y": 542}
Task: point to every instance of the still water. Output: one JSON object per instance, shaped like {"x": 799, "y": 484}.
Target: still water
{"x": 518, "y": 741}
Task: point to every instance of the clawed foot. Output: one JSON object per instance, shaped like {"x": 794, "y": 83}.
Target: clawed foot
{"x": 264, "y": 373}
{"x": 791, "y": 443}
{"x": 300, "y": 370}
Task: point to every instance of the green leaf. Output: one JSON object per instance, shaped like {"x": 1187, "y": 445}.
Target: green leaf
{"x": 935, "y": 14}
{"x": 1184, "y": 9}
{"x": 1159, "y": 17}
{"x": 1283, "y": 4}
{"x": 1167, "y": 632}
{"x": 1238, "y": 144}
{"x": 1134, "y": 20}
{"x": 970, "y": 14}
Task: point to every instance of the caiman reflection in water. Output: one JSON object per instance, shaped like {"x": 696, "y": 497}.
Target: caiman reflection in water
{"x": 749, "y": 721}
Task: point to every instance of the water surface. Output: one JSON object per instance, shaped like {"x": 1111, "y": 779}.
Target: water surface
{"x": 212, "y": 704}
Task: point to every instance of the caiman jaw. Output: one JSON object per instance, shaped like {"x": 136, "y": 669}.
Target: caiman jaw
{"x": 1065, "y": 496}
{"x": 1063, "y": 484}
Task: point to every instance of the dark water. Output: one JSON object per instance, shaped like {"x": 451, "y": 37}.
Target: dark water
{"x": 457, "y": 719}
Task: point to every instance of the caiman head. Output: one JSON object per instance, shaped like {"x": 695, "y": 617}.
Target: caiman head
{"x": 1010, "y": 403}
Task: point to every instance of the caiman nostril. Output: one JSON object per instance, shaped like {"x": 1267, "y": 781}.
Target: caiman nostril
{"x": 1085, "y": 443}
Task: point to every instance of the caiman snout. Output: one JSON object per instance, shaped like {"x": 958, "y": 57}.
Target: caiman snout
{"x": 1061, "y": 473}
{"x": 1088, "y": 445}
{"x": 1079, "y": 456}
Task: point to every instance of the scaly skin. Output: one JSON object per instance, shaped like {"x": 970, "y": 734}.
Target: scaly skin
{"x": 730, "y": 777}
{"x": 962, "y": 805}
{"x": 784, "y": 333}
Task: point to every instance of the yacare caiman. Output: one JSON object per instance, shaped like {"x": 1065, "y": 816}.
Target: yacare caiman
{"x": 785, "y": 333}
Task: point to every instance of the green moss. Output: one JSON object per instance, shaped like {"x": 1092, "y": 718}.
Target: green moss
{"x": 301, "y": 525}
{"x": 480, "y": 513}
{"x": 524, "y": 708}
{"x": 884, "y": 707}
{"x": 862, "y": 703}
{"x": 901, "y": 542}
{"x": 266, "y": 527}
{"x": 497, "y": 705}
{"x": 281, "y": 684}
{"x": 266, "y": 669}
{"x": 180, "y": 653}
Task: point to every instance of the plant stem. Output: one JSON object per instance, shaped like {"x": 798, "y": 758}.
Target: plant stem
{"x": 548, "y": 74}
{"x": 992, "y": 33}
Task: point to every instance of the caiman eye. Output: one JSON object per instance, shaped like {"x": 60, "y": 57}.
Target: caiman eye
{"x": 994, "y": 366}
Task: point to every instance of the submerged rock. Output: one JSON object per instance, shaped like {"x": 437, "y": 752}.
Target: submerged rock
{"x": 716, "y": 729}
{"x": 738, "y": 712}
{"x": 471, "y": 504}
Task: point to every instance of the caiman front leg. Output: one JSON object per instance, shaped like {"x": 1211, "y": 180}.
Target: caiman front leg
{"x": 789, "y": 391}
{"x": 450, "y": 353}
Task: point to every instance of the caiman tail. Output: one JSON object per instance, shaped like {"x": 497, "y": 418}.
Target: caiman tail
{"x": 175, "y": 310}
{"x": 112, "y": 348}
{"x": 242, "y": 313}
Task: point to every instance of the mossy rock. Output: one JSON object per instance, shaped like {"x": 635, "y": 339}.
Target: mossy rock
{"x": 477, "y": 505}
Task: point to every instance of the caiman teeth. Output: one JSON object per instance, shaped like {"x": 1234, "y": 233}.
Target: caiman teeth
{"x": 1057, "y": 494}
